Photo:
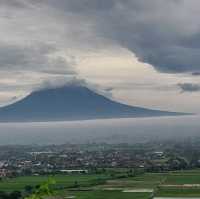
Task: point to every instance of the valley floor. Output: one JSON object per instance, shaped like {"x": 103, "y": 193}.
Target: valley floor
{"x": 116, "y": 184}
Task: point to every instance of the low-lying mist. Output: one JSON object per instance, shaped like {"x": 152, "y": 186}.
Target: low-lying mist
{"x": 111, "y": 130}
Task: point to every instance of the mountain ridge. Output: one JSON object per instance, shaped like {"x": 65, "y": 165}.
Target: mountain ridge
{"x": 71, "y": 102}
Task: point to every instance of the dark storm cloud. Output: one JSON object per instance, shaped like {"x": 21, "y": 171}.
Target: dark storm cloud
{"x": 165, "y": 34}
{"x": 196, "y": 74}
{"x": 189, "y": 87}
{"x": 157, "y": 33}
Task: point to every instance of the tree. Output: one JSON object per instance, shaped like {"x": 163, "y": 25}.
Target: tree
{"x": 28, "y": 189}
{"x": 15, "y": 195}
{"x": 12, "y": 195}
{"x": 43, "y": 191}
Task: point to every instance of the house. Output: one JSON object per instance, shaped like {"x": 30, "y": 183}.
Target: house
{"x": 5, "y": 173}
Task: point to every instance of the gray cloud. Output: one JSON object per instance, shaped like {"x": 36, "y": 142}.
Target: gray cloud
{"x": 162, "y": 33}
{"x": 37, "y": 57}
{"x": 13, "y": 3}
{"x": 189, "y": 87}
{"x": 196, "y": 73}
{"x": 165, "y": 34}
{"x": 25, "y": 57}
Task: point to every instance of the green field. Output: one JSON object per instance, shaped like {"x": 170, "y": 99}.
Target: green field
{"x": 61, "y": 180}
{"x": 148, "y": 180}
{"x": 178, "y": 192}
{"x": 183, "y": 178}
{"x": 103, "y": 186}
{"x": 181, "y": 184}
{"x": 108, "y": 195}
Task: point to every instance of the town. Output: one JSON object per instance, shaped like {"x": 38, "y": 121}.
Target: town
{"x": 85, "y": 158}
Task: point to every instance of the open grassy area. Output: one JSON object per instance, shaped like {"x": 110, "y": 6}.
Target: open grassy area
{"x": 101, "y": 186}
{"x": 183, "y": 178}
{"x": 61, "y": 180}
{"x": 181, "y": 184}
{"x": 143, "y": 181}
{"x": 128, "y": 184}
{"x": 108, "y": 195}
{"x": 178, "y": 192}
{"x": 150, "y": 177}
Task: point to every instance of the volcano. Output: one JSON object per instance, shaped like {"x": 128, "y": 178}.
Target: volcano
{"x": 71, "y": 102}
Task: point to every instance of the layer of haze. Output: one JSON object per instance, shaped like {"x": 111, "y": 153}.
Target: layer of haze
{"x": 110, "y": 131}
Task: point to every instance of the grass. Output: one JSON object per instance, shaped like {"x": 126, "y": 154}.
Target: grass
{"x": 128, "y": 184}
{"x": 147, "y": 180}
{"x": 61, "y": 180}
{"x": 178, "y": 192}
{"x": 156, "y": 177}
{"x": 180, "y": 179}
{"x": 183, "y": 178}
{"x": 108, "y": 195}
{"x": 143, "y": 181}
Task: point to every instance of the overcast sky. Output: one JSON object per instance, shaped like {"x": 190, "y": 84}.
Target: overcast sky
{"x": 147, "y": 53}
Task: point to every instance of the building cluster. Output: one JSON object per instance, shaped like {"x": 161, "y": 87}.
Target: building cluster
{"x": 82, "y": 158}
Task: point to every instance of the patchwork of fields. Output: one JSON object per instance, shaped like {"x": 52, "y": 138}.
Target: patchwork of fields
{"x": 103, "y": 186}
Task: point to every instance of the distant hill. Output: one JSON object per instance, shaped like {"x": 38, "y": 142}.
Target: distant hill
{"x": 72, "y": 102}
